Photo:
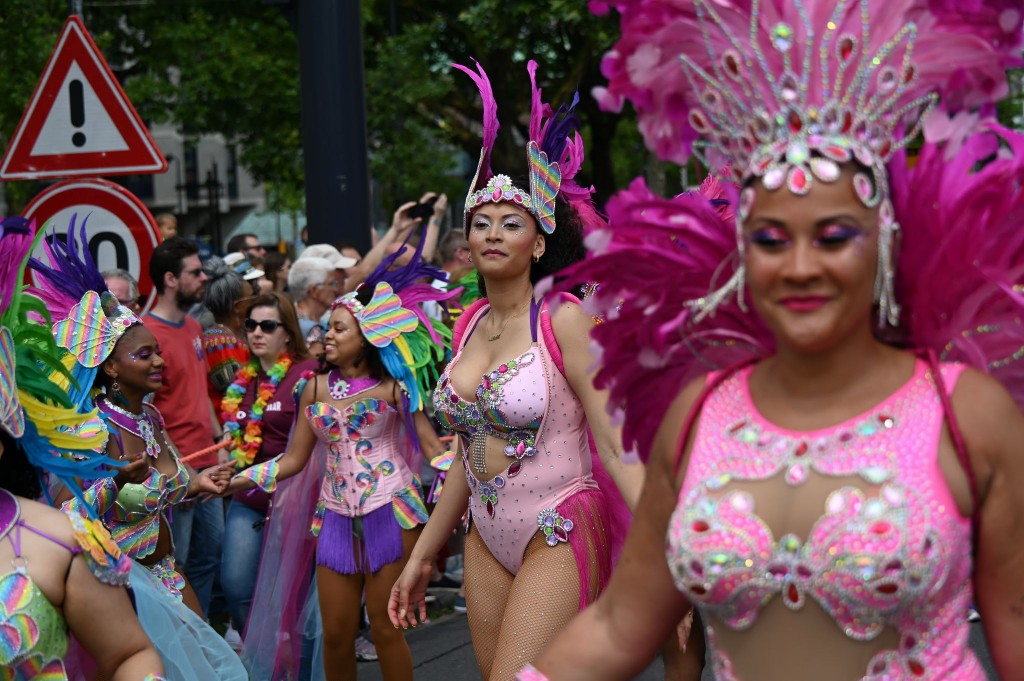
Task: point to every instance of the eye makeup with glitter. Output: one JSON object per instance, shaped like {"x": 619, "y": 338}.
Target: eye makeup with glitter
{"x": 770, "y": 238}
{"x": 834, "y": 235}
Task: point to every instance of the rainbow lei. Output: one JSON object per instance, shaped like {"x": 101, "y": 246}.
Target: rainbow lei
{"x": 247, "y": 443}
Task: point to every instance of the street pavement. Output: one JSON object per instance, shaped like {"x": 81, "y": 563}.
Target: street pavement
{"x": 442, "y": 651}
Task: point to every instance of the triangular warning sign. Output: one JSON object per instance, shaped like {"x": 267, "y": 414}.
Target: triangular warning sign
{"x": 79, "y": 121}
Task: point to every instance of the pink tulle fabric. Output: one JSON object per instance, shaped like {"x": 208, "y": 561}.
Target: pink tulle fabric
{"x": 962, "y": 50}
{"x": 609, "y": 501}
{"x": 275, "y": 635}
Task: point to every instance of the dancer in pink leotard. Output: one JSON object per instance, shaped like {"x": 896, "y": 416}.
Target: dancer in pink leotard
{"x": 543, "y": 512}
{"x": 832, "y": 493}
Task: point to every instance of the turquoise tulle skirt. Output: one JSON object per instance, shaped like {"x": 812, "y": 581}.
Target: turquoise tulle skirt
{"x": 189, "y": 647}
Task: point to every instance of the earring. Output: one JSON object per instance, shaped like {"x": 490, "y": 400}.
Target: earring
{"x": 885, "y": 280}
{"x": 536, "y": 258}
{"x": 115, "y": 389}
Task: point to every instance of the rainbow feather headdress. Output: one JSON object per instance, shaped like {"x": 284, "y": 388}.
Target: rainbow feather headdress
{"x": 56, "y": 432}
{"x": 782, "y": 92}
{"x": 554, "y": 154}
{"x": 91, "y": 318}
{"x": 412, "y": 346}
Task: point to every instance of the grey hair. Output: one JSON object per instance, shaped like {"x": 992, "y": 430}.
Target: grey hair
{"x": 451, "y": 242}
{"x": 223, "y": 288}
{"x": 308, "y": 272}
{"x": 125, "y": 275}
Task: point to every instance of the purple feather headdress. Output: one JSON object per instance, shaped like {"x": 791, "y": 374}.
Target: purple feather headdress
{"x": 71, "y": 271}
{"x": 554, "y": 155}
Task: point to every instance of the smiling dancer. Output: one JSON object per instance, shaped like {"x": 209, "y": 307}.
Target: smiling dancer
{"x": 831, "y": 502}
{"x": 361, "y": 436}
{"x": 110, "y": 349}
{"x": 64, "y": 575}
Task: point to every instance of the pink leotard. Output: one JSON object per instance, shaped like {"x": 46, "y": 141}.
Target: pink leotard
{"x": 889, "y": 553}
{"x": 528, "y": 403}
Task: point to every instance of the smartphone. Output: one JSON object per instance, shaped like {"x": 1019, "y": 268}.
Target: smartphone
{"x": 422, "y": 210}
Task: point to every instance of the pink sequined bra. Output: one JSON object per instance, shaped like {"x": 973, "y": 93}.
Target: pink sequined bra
{"x": 889, "y": 551}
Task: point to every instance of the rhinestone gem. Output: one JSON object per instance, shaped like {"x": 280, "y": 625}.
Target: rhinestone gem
{"x": 797, "y": 152}
{"x": 796, "y": 475}
{"x": 782, "y": 36}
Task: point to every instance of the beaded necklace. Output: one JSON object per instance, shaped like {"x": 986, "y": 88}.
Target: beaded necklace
{"x": 247, "y": 443}
{"x": 139, "y": 425}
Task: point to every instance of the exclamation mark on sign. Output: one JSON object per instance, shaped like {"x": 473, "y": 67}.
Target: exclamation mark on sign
{"x": 76, "y": 94}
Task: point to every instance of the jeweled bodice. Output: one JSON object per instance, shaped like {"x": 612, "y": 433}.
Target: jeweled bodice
{"x": 365, "y": 466}
{"x": 888, "y": 550}
{"x": 506, "y": 399}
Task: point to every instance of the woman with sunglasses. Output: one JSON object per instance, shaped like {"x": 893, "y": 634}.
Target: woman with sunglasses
{"x": 257, "y": 412}
{"x": 361, "y": 442}
{"x": 112, "y": 351}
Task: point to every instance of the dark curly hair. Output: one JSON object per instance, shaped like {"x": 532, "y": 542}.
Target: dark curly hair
{"x": 562, "y": 248}
{"x": 17, "y": 475}
{"x": 369, "y": 354}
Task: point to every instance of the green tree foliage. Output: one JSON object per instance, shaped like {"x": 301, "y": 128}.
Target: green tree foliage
{"x": 230, "y": 67}
{"x": 416, "y": 102}
{"x": 28, "y": 31}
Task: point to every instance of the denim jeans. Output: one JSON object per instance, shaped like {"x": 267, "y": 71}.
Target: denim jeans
{"x": 198, "y": 531}
{"x": 241, "y": 558}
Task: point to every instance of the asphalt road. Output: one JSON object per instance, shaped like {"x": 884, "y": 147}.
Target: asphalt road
{"x": 442, "y": 651}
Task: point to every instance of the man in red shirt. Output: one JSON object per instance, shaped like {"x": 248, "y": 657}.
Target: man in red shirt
{"x": 198, "y": 529}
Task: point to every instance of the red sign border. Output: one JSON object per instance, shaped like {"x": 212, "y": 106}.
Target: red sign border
{"x": 109, "y": 196}
{"x": 143, "y": 156}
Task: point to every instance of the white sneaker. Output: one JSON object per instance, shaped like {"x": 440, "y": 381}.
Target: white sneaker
{"x": 233, "y": 639}
{"x": 365, "y": 651}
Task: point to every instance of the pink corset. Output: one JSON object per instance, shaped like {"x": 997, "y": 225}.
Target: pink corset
{"x": 889, "y": 550}
{"x": 365, "y": 466}
{"x": 528, "y": 403}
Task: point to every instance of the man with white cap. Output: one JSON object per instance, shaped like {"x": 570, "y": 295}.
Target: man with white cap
{"x": 249, "y": 272}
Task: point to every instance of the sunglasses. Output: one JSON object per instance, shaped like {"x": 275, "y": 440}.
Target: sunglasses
{"x": 267, "y": 325}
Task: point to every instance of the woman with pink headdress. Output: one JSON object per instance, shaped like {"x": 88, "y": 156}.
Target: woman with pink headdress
{"x": 826, "y": 385}
{"x": 542, "y": 521}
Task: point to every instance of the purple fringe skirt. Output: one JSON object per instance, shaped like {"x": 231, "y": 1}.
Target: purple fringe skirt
{"x": 377, "y": 534}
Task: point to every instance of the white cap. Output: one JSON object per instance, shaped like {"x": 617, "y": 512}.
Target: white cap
{"x": 329, "y": 252}
{"x": 240, "y": 264}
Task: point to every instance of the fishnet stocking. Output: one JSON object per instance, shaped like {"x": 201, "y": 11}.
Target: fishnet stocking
{"x": 512, "y": 618}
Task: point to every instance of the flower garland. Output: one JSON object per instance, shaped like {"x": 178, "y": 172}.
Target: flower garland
{"x": 247, "y": 443}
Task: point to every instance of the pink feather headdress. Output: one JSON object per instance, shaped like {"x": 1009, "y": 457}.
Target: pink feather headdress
{"x": 554, "y": 155}
{"x": 820, "y": 83}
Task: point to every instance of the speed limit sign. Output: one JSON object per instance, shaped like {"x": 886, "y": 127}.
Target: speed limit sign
{"x": 120, "y": 231}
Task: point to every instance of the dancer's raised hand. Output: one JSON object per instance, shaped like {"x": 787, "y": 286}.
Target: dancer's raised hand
{"x": 408, "y": 595}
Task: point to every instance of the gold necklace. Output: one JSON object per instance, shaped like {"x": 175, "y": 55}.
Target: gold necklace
{"x": 507, "y": 320}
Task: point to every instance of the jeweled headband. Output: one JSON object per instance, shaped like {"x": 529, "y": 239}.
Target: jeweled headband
{"x": 554, "y": 154}
{"x": 788, "y": 91}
